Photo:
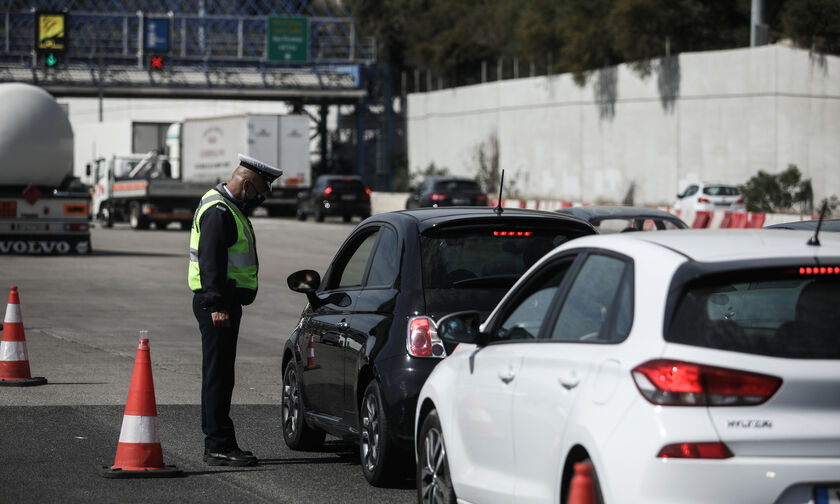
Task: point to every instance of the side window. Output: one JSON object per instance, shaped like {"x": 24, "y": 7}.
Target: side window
{"x": 599, "y": 304}
{"x": 527, "y": 317}
{"x": 386, "y": 261}
{"x": 691, "y": 190}
{"x": 354, "y": 269}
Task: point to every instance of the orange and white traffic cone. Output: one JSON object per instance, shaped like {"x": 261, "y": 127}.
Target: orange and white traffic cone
{"x": 14, "y": 359}
{"x": 582, "y": 489}
{"x": 139, "y": 453}
{"x": 310, "y": 359}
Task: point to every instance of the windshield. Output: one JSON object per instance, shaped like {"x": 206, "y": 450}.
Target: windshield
{"x": 775, "y": 312}
{"x": 459, "y": 186}
{"x": 471, "y": 269}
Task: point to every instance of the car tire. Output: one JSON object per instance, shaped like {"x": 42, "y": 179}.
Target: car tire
{"x": 296, "y": 433}
{"x": 434, "y": 483}
{"x": 347, "y": 217}
{"x": 381, "y": 461}
{"x": 319, "y": 215}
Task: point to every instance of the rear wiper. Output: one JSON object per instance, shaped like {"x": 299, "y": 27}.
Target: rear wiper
{"x": 501, "y": 281}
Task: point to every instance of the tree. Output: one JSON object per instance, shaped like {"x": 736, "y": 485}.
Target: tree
{"x": 813, "y": 24}
{"x": 770, "y": 193}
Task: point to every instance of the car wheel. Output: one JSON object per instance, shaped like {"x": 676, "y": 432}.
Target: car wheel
{"x": 296, "y": 434}
{"x": 347, "y": 217}
{"x": 319, "y": 215}
{"x": 381, "y": 461}
{"x": 434, "y": 484}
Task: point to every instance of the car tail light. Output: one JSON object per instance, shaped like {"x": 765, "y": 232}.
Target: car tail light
{"x": 513, "y": 234}
{"x": 422, "y": 339}
{"x": 367, "y": 192}
{"x": 481, "y": 197}
{"x": 437, "y": 197}
{"x": 676, "y": 383}
{"x": 703, "y": 200}
{"x": 327, "y": 191}
{"x": 740, "y": 201}
{"x": 714, "y": 450}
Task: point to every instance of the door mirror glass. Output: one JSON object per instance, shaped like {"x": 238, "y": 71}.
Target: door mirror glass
{"x": 459, "y": 327}
{"x": 304, "y": 281}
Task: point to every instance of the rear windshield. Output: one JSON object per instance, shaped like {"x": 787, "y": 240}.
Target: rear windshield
{"x": 778, "y": 312}
{"x": 457, "y": 186}
{"x": 619, "y": 225}
{"x": 717, "y": 190}
{"x": 471, "y": 269}
{"x": 347, "y": 185}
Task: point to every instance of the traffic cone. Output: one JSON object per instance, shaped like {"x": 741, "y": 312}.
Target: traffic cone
{"x": 14, "y": 359}
{"x": 582, "y": 489}
{"x": 310, "y": 359}
{"x": 139, "y": 454}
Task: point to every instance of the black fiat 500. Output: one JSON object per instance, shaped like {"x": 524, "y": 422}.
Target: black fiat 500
{"x": 366, "y": 341}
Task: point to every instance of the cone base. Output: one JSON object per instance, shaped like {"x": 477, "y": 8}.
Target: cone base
{"x": 169, "y": 471}
{"x": 22, "y": 382}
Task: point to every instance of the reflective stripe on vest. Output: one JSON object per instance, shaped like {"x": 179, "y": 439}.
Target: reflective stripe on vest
{"x": 242, "y": 255}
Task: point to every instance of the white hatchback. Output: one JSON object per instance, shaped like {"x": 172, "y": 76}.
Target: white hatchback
{"x": 710, "y": 196}
{"x": 688, "y": 366}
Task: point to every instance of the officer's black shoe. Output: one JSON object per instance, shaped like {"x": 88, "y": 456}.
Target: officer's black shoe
{"x": 235, "y": 457}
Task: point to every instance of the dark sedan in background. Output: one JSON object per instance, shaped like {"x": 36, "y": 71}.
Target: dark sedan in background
{"x": 440, "y": 191}
{"x": 335, "y": 195}
{"x": 619, "y": 219}
{"x": 367, "y": 339}
{"x": 830, "y": 225}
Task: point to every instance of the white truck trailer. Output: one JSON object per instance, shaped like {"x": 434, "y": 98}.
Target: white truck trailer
{"x": 205, "y": 150}
{"x": 43, "y": 208}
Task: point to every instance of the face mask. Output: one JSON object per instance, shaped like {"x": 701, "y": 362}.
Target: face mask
{"x": 252, "y": 203}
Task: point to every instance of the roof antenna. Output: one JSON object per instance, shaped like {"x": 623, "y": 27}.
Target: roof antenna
{"x": 499, "y": 208}
{"x": 815, "y": 240}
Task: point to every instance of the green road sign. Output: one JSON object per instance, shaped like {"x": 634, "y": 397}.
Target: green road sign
{"x": 287, "y": 39}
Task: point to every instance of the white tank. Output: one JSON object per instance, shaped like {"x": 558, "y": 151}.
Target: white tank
{"x": 36, "y": 139}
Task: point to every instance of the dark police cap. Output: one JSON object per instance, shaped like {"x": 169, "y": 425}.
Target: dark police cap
{"x": 268, "y": 172}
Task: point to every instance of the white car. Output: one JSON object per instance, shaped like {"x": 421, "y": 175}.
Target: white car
{"x": 689, "y": 366}
{"x": 710, "y": 196}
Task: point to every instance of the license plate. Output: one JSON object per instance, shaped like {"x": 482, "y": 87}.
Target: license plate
{"x": 348, "y": 197}
{"x": 460, "y": 201}
{"x": 29, "y": 227}
{"x": 827, "y": 495}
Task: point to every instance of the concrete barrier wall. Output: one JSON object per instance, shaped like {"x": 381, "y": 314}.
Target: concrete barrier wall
{"x": 721, "y": 115}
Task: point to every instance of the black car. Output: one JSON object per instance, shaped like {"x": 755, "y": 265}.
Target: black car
{"x": 439, "y": 191}
{"x": 620, "y": 219}
{"x": 366, "y": 341}
{"x": 334, "y": 195}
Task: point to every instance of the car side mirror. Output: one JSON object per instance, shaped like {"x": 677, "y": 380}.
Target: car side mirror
{"x": 461, "y": 327}
{"x": 304, "y": 281}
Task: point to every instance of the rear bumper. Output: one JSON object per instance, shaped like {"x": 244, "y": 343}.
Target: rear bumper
{"x": 401, "y": 379}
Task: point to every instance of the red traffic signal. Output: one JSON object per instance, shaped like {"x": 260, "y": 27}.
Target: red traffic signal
{"x": 156, "y": 63}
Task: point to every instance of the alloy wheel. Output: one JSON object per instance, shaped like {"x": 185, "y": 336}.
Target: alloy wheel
{"x": 432, "y": 474}
{"x": 370, "y": 432}
{"x": 291, "y": 402}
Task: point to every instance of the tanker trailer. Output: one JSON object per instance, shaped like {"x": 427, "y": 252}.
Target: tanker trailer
{"x": 43, "y": 208}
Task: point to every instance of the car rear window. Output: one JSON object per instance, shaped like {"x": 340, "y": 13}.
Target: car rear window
{"x": 347, "y": 185}
{"x": 717, "y": 190}
{"x": 791, "y": 312}
{"x": 471, "y": 269}
{"x": 457, "y": 186}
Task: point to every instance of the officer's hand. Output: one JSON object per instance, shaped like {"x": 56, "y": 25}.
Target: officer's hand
{"x": 220, "y": 319}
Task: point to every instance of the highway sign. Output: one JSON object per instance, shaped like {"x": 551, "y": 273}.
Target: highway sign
{"x": 156, "y": 34}
{"x": 287, "y": 39}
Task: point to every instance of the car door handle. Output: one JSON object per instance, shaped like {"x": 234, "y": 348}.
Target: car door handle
{"x": 569, "y": 380}
{"x": 507, "y": 376}
{"x": 343, "y": 325}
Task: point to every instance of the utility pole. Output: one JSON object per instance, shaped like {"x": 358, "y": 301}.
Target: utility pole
{"x": 758, "y": 29}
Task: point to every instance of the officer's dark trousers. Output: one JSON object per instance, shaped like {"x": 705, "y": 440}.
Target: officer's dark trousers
{"x": 218, "y": 348}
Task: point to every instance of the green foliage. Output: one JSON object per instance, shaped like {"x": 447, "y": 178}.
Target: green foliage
{"x": 405, "y": 181}
{"x": 451, "y": 38}
{"x": 813, "y": 24}
{"x": 770, "y": 193}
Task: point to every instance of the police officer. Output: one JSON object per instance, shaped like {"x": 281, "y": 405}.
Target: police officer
{"x": 223, "y": 275}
